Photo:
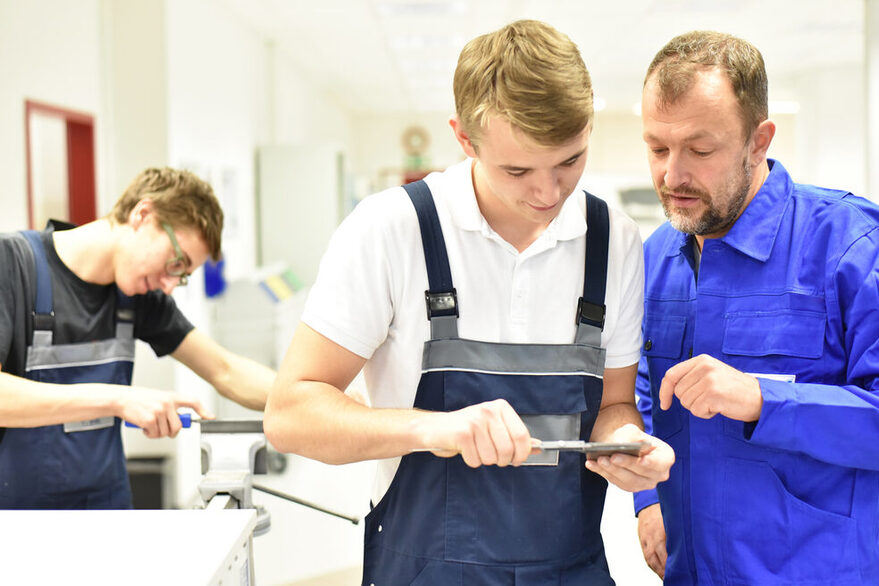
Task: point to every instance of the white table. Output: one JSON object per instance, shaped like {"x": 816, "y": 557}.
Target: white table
{"x": 127, "y": 548}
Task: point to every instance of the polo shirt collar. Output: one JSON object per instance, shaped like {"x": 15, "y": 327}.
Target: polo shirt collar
{"x": 755, "y": 231}
{"x": 461, "y": 196}
{"x": 465, "y": 213}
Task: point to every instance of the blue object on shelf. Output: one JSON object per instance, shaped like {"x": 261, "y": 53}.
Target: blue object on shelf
{"x": 214, "y": 281}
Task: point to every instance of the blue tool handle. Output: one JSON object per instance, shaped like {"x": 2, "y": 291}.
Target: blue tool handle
{"x": 185, "y": 420}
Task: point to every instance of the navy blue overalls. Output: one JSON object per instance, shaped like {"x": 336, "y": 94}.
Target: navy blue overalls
{"x": 77, "y": 465}
{"x": 442, "y": 522}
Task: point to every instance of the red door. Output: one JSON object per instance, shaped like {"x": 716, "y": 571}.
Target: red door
{"x": 73, "y": 168}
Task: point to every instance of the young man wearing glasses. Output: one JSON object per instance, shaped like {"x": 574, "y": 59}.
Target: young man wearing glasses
{"x": 72, "y": 302}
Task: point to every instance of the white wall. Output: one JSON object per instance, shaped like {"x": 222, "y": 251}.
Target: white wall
{"x": 135, "y": 85}
{"x": 831, "y": 129}
{"x": 304, "y": 170}
{"x": 49, "y": 52}
{"x": 871, "y": 81}
{"x": 304, "y": 114}
{"x": 216, "y": 96}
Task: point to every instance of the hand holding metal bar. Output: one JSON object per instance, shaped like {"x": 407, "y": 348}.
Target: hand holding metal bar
{"x": 186, "y": 420}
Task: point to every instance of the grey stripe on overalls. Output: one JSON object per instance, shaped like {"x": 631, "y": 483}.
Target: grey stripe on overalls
{"x": 463, "y": 354}
{"x": 69, "y": 355}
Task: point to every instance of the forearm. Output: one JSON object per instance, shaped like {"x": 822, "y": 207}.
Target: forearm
{"x": 617, "y": 403}
{"x": 240, "y": 379}
{"x": 245, "y": 381}
{"x": 611, "y": 417}
{"x": 619, "y": 421}
{"x": 308, "y": 414}
{"x": 27, "y": 403}
{"x": 318, "y": 421}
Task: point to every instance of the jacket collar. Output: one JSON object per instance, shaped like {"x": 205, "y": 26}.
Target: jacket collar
{"x": 755, "y": 231}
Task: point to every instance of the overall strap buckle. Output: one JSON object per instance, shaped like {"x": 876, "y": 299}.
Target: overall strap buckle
{"x": 590, "y": 313}
{"x": 444, "y": 303}
{"x": 44, "y": 321}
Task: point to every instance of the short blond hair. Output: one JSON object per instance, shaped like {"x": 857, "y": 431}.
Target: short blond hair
{"x": 675, "y": 66}
{"x": 529, "y": 74}
{"x": 179, "y": 198}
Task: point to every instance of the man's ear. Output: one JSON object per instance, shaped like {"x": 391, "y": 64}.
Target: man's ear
{"x": 462, "y": 136}
{"x": 140, "y": 212}
{"x": 761, "y": 138}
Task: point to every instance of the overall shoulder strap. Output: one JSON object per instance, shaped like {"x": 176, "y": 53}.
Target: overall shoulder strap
{"x": 125, "y": 313}
{"x": 591, "y": 307}
{"x": 441, "y": 297}
{"x": 44, "y": 315}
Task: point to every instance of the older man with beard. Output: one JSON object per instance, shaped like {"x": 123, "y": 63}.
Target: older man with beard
{"x": 760, "y": 360}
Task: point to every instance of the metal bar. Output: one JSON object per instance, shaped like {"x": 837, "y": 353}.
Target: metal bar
{"x": 298, "y": 501}
{"x": 231, "y": 425}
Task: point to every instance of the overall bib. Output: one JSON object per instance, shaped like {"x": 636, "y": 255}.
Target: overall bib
{"x": 77, "y": 465}
{"x": 442, "y": 522}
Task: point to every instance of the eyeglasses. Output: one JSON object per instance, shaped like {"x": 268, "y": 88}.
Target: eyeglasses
{"x": 176, "y": 267}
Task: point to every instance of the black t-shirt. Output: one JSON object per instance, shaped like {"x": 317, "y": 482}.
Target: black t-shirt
{"x": 83, "y": 311}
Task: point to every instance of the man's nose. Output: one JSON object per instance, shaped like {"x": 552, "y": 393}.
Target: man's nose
{"x": 168, "y": 283}
{"x": 547, "y": 189}
{"x": 676, "y": 172}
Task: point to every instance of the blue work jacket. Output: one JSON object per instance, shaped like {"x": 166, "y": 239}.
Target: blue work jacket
{"x": 791, "y": 292}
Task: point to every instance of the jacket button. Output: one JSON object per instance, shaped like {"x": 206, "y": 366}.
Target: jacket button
{"x": 648, "y": 344}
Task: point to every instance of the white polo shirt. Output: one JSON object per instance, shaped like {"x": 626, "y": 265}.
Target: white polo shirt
{"x": 369, "y": 293}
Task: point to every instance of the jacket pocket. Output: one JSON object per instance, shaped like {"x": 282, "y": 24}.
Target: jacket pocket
{"x": 769, "y": 536}
{"x": 663, "y": 348}
{"x": 785, "y": 332}
{"x": 664, "y": 336}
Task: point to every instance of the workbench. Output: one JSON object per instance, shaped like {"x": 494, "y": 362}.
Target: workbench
{"x": 97, "y": 548}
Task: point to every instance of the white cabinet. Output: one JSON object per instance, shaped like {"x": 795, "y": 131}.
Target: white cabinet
{"x": 300, "y": 195}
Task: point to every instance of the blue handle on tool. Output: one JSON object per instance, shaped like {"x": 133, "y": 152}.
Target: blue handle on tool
{"x": 185, "y": 420}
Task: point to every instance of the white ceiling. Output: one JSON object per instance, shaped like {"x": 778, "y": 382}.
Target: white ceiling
{"x": 399, "y": 55}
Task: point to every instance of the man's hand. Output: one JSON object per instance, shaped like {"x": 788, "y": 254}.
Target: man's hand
{"x": 706, "y": 386}
{"x": 651, "y": 533}
{"x": 155, "y": 411}
{"x": 485, "y": 434}
{"x": 633, "y": 473}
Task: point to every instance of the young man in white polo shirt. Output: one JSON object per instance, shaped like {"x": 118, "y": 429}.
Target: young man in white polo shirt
{"x": 464, "y": 300}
